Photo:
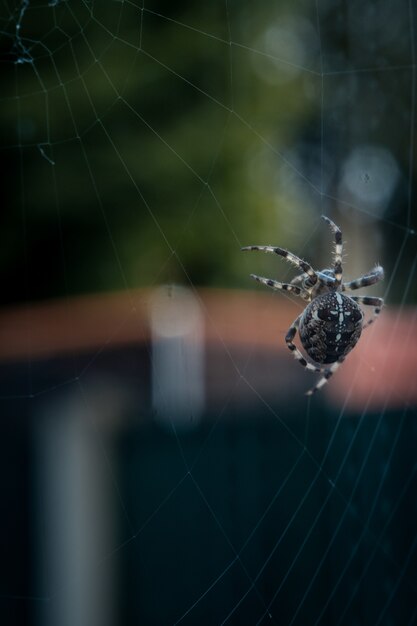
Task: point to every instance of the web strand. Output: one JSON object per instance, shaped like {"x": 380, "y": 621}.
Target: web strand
{"x": 38, "y": 61}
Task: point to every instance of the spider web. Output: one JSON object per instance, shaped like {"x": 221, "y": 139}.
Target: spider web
{"x": 141, "y": 139}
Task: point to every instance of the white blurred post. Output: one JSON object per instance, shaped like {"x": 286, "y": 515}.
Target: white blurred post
{"x": 74, "y": 517}
{"x": 178, "y": 386}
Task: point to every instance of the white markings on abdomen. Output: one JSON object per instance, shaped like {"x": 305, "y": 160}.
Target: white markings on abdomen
{"x": 341, "y": 315}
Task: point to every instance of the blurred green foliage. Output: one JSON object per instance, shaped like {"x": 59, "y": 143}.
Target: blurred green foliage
{"x": 130, "y": 166}
{"x": 141, "y": 146}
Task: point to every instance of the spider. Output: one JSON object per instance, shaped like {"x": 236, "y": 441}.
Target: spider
{"x": 332, "y": 322}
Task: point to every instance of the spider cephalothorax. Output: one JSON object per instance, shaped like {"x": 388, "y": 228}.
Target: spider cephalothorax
{"x": 332, "y": 322}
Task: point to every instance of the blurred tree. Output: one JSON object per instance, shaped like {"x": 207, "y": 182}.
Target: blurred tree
{"x": 131, "y": 136}
{"x": 142, "y": 146}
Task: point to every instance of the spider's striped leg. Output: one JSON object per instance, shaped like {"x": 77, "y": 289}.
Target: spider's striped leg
{"x": 277, "y": 286}
{"x": 299, "y": 279}
{"x": 373, "y": 277}
{"x": 328, "y": 373}
{"x": 292, "y": 258}
{"x": 377, "y": 303}
{"x": 338, "y": 249}
{"x": 293, "y": 348}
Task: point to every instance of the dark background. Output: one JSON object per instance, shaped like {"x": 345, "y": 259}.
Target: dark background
{"x": 142, "y": 144}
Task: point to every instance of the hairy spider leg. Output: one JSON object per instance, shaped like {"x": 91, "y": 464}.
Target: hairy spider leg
{"x": 377, "y": 303}
{"x": 328, "y": 373}
{"x": 323, "y": 278}
{"x": 296, "y": 353}
{"x": 299, "y": 279}
{"x": 338, "y": 250}
{"x": 373, "y": 277}
{"x": 277, "y": 286}
{"x": 292, "y": 258}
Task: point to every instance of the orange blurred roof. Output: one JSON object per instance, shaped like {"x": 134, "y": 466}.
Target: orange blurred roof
{"x": 380, "y": 372}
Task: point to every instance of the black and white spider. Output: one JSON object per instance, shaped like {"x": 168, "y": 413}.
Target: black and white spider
{"x": 332, "y": 322}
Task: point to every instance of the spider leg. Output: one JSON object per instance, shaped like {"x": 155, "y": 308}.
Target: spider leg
{"x": 338, "y": 249}
{"x": 373, "y": 277}
{"x": 323, "y": 278}
{"x": 276, "y": 285}
{"x": 377, "y": 303}
{"x": 299, "y": 279}
{"x": 296, "y": 353}
{"x": 292, "y": 258}
{"x": 328, "y": 373}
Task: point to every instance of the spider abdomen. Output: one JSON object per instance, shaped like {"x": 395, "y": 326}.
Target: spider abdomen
{"x": 330, "y": 327}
